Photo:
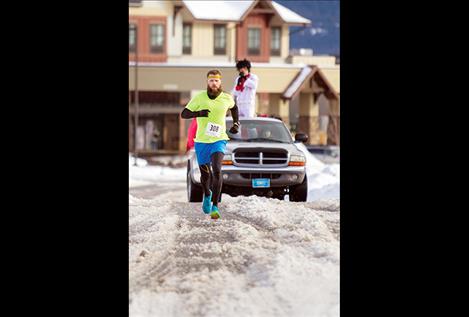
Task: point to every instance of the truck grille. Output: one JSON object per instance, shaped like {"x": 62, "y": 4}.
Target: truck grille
{"x": 260, "y": 157}
{"x": 260, "y": 175}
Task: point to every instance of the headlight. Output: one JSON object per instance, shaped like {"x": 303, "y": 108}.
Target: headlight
{"x": 227, "y": 160}
{"x": 297, "y": 160}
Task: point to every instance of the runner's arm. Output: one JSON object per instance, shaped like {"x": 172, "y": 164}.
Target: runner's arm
{"x": 187, "y": 114}
{"x": 234, "y": 114}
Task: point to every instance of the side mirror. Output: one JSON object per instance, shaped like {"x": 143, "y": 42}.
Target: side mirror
{"x": 301, "y": 137}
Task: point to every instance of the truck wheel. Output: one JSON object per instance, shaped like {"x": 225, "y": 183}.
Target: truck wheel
{"x": 299, "y": 192}
{"x": 194, "y": 191}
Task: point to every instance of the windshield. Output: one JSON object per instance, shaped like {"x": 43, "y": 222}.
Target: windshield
{"x": 260, "y": 131}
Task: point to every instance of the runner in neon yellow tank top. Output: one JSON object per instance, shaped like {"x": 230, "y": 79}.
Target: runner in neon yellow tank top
{"x": 210, "y": 107}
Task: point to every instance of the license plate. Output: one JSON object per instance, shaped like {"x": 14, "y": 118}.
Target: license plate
{"x": 260, "y": 182}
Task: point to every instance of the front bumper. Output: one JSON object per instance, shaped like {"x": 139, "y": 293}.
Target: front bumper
{"x": 279, "y": 177}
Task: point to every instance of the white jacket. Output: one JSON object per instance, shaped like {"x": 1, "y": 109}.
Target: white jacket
{"x": 246, "y": 99}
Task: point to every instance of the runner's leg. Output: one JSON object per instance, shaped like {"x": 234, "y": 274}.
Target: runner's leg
{"x": 217, "y": 181}
{"x": 205, "y": 178}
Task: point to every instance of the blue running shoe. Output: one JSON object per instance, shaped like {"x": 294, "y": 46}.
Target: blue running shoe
{"x": 207, "y": 204}
{"x": 215, "y": 214}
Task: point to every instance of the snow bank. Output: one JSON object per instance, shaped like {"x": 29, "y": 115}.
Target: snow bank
{"x": 144, "y": 174}
{"x": 323, "y": 179}
{"x": 140, "y": 161}
{"x": 263, "y": 258}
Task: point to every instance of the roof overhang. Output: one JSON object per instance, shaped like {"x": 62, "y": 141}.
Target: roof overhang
{"x": 310, "y": 72}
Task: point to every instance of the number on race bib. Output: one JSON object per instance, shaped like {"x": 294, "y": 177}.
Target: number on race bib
{"x": 213, "y": 129}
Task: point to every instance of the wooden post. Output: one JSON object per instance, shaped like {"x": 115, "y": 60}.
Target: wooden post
{"x": 309, "y": 117}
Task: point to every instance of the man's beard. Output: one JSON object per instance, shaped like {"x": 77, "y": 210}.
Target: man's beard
{"x": 214, "y": 92}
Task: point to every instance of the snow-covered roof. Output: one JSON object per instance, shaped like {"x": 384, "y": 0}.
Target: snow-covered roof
{"x": 235, "y": 10}
{"x": 218, "y": 10}
{"x": 306, "y": 73}
{"x": 297, "y": 82}
{"x": 287, "y": 15}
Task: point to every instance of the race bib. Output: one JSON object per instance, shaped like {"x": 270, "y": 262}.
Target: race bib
{"x": 213, "y": 130}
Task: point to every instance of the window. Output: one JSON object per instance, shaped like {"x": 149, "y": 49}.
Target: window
{"x": 269, "y": 131}
{"x": 187, "y": 38}
{"x": 219, "y": 39}
{"x": 156, "y": 38}
{"x": 254, "y": 41}
{"x": 132, "y": 38}
{"x": 275, "y": 41}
